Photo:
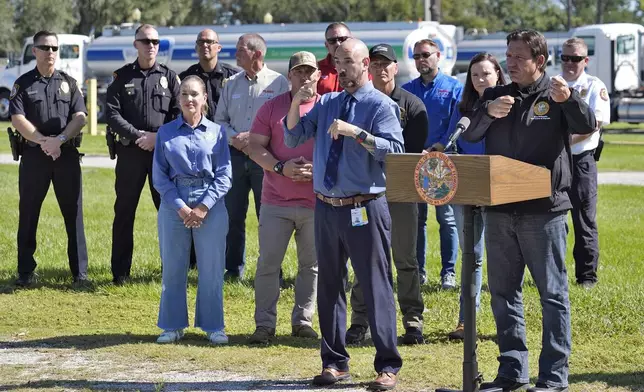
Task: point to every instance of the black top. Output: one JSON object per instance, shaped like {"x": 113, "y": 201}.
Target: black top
{"x": 536, "y": 131}
{"x": 413, "y": 119}
{"x": 140, "y": 100}
{"x": 47, "y": 103}
{"x": 214, "y": 81}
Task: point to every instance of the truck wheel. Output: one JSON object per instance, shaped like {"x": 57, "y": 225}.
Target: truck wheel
{"x": 4, "y": 105}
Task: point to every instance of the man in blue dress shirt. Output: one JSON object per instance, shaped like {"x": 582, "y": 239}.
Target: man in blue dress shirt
{"x": 441, "y": 94}
{"x": 353, "y": 130}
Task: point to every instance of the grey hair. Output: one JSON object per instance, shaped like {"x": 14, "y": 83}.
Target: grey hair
{"x": 255, "y": 42}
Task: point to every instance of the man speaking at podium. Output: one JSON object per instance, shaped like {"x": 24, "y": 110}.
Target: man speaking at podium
{"x": 530, "y": 120}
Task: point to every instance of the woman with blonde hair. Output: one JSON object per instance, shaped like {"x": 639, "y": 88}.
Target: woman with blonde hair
{"x": 192, "y": 173}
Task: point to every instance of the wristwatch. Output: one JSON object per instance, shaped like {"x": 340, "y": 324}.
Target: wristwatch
{"x": 62, "y": 138}
{"x": 362, "y": 136}
{"x": 279, "y": 168}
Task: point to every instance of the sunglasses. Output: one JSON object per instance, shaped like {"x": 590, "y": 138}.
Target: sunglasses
{"x": 148, "y": 41}
{"x": 206, "y": 42}
{"x": 336, "y": 40}
{"x": 46, "y": 48}
{"x": 424, "y": 55}
{"x": 575, "y": 59}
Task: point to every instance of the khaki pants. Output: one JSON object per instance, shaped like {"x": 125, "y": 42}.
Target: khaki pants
{"x": 276, "y": 225}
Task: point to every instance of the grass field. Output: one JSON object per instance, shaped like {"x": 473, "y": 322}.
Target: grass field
{"x": 113, "y": 328}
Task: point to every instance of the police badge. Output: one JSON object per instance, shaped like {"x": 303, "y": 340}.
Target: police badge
{"x": 583, "y": 93}
{"x": 163, "y": 82}
{"x": 64, "y": 87}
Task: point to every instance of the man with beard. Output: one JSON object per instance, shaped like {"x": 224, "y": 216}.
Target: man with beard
{"x": 441, "y": 94}
{"x": 404, "y": 216}
{"x": 583, "y": 191}
{"x": 353, "y": 130}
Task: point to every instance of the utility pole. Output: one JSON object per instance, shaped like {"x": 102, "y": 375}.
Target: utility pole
{"x": 569, "y": 12}
{"x": 428, "y": 11}
{"x": 432, "y": 10}
{"x": 600, "y": 12}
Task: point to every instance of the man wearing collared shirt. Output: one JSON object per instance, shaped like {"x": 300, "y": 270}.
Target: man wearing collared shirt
{"x": 243, "y": 95}
{"x": 143, "y": 96}
{"x": 404, "y": 216}
{"x": 334, "y": 35}
{"x": 287, "y": 206}
{"x": 213, "y": 72}
{"x": 441, "y": 94}
{"x": 353, "y": 130}
{"x": 583, "y": 191}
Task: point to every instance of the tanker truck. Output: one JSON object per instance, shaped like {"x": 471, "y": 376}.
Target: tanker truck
{"x": 85, "y": 58}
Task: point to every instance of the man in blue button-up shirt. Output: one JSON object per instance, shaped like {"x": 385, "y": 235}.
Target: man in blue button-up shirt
{"x": 441, "y": 94}
{"x": 353, "y": 130}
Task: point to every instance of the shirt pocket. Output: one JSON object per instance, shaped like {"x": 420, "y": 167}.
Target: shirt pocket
{"x": 63, "y": 105}
{"x": 36, "y": 107}
{"x": 161, "y": 101}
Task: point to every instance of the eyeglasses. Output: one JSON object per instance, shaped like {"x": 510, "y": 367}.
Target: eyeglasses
{"x": 46, "y": 48}
{"x": 575, "y": 59}
{"x": 148, "y": 41}
{"x": 206, "y": 42}
{"x": 336, "y": 40}
{"x": 424, "y": 55}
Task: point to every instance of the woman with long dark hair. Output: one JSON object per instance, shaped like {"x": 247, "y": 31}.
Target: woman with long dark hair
{"x": 484, "y": 71}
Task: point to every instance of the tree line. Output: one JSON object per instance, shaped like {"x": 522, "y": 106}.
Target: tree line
{"x": 22, "y": 18}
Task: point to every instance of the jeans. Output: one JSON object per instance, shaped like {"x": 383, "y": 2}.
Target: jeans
{"x": 537, "y": 241}
{"x": 210, "y": 247}
{"x": 247, "y": 176}
{"x": 479, "y": 229}
{"x": 448, "y": 238}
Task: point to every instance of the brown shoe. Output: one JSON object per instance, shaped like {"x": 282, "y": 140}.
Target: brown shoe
{"x": 458, "y": 333}
{"x": 304, "y": 331}
{"x": 384, "y": 382}
{"x": 330, "y": 376}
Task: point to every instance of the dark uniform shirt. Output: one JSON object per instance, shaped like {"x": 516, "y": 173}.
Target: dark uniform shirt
{"x": 47, "y": 103}
{"x": 413, "y": 119}
{"x": 139, "y": 100}
{"x": 536, "y": 131}
{"x": 214, "y": 81}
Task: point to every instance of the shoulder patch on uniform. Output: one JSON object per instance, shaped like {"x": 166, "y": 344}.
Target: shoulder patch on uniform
{"x": 114, "y": 76}
{"x": 604, "y": 94}
{"x": 14, "y": 90}
{"x": 224, "y": 81}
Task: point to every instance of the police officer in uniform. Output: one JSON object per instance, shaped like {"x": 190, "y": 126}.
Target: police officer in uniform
{"x": 48, "y": 110}
{"x": 142, "y": 97}
{"x": 212, "y": 71}
{"x": 583, "y": 191}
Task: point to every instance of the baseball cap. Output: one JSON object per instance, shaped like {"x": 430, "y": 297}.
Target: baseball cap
{"x": 383, "y": 50}
{"x": 302, "y": 58}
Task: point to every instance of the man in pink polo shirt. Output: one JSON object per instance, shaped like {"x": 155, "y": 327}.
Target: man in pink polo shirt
{"x": 287, "y": 205}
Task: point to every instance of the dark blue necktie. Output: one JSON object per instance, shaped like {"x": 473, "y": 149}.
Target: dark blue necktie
{"x": 333, "y": 160}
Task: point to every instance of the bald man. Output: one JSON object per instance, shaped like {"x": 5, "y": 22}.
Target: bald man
{"x": 212, "y": 71}
{"x": 353, "y": 130}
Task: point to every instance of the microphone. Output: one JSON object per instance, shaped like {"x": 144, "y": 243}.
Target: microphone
{"x": 461, "y": 127}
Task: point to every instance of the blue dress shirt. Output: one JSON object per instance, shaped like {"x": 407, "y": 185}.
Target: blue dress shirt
{"x": 359, "y": 172}
{"x": 197, "y": 153}
{"x": 441, "y": 97}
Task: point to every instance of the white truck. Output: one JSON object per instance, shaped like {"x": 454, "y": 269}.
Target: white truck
{"x": 84, "y": 58}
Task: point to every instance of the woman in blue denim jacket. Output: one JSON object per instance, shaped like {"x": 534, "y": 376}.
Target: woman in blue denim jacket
{"x": 192, "y": 173}
{"x": 484, "y": 71}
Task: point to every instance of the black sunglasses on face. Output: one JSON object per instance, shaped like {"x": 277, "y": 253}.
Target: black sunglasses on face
{"x": 206, "y": 42}
{"x": 424, "y": 55}
{"x": 575, "y": 59}
{"x": 45, "y": 48}
{"x": 147, "y": 41}
{"x": 336, "y": 40}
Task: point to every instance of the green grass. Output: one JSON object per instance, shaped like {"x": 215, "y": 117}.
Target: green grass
{"x": 115, "y": 326}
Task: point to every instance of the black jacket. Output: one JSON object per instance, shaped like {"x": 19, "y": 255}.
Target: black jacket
{"x": 214, "y": 81}
{"x": 536, "y": 131}
{"x": 413, "y": 119}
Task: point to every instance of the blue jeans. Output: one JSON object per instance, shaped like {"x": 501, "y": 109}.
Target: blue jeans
{"x": 247, "y": 176}
{"x": 479, "y": 229}
{"x": 448, "y": 238}
{"x": 537, "y": 241}
{"x": 210, "y": 247}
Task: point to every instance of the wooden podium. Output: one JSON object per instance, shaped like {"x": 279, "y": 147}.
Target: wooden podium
{"x": 483, "y": 180}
